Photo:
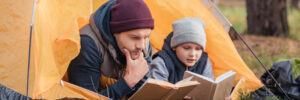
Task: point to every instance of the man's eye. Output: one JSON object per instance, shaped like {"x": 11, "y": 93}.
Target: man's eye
{"x": 135, "y": 38}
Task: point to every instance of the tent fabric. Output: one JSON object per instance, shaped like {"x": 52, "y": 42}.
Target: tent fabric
{"x": 55, "y": 42}
{"x": 14, "y": 30}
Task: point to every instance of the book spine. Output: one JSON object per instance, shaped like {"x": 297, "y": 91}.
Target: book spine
{"x": 170, "y": 94}
{"x": 213, "y": 91}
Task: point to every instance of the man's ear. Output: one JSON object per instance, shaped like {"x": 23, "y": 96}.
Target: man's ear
{"x": 116, "y": 34}
{"x": 174, "y": 48}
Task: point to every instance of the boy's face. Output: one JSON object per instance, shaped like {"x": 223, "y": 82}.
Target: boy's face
{"x": 188, "y": 53}
{"x": 133, "y": 40}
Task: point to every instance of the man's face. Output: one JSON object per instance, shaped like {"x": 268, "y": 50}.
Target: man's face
{"x": 188, "y": 53}
{"x": 133, "y": 40}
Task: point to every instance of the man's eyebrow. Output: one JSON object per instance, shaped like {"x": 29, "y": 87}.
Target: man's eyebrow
{"x": 134, "y": 35}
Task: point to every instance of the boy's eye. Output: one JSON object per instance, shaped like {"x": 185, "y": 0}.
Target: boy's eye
{"x": 186, "y": 48}
{"x": 198, "y": 48}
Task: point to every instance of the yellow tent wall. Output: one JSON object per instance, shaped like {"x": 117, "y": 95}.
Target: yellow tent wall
{"x": 14, "y": 37}
{"x": 55, "y": 42}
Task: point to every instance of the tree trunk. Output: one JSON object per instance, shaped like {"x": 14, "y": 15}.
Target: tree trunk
{"x": 267, "y": 17}
{"x": 295, "y": 4}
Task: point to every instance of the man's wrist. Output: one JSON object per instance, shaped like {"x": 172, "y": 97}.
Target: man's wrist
{"x": 129, "y": 81}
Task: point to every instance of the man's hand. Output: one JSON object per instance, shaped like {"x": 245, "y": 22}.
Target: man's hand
{"x": 135, "y": 69}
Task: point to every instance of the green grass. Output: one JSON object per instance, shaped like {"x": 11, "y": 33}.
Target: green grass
{"x": 237, "y": 16}
{"x": 266, "y": 58}
{"x": 294, "y": 23}
{"x": 244, "y": 96}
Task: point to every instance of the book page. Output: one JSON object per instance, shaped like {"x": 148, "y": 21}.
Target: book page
{"x": 224, "y": 86}
{"x": 224, "y": 76}
{"x": 152, "y": 90}
{"x": 156, "y": 89}
{"x": 202, "y": 91}
{"x": 160, "y": 82}
{"x": 182, "y": 91}
{"x": 197, "y": 75}
{"x": 186, "y": 82}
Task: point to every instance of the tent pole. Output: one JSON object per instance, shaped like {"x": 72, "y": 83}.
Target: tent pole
{"x": 92, "y": 6}
{"x": 29, "y": 51}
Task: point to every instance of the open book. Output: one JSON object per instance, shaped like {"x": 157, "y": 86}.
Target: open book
{"x": 210, "y": 89}
{"x": 162, "y": 90}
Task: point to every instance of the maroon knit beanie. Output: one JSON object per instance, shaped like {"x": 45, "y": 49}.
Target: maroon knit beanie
{"x": 130, "y": 14}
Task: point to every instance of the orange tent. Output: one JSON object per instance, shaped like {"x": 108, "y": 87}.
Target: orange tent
{"x": 55, "y": 42}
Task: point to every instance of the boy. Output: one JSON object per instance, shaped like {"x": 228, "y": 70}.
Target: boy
{"x": 183, "y": 50}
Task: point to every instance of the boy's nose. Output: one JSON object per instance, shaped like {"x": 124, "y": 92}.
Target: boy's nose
{"x": 192, "y": 53}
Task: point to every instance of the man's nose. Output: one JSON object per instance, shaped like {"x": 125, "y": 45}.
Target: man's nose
{"x": 141, "y": 44}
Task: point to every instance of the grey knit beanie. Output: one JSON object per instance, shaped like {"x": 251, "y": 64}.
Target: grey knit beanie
{"x": 188, "y": 30}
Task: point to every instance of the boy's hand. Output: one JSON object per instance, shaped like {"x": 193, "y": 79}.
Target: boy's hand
{"x": 187, "y": 98}
{"x": 135, "y": 69}
{"x": 228, "y": 98}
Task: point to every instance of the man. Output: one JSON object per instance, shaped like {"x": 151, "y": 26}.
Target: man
{"x": 114, "y": 49}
